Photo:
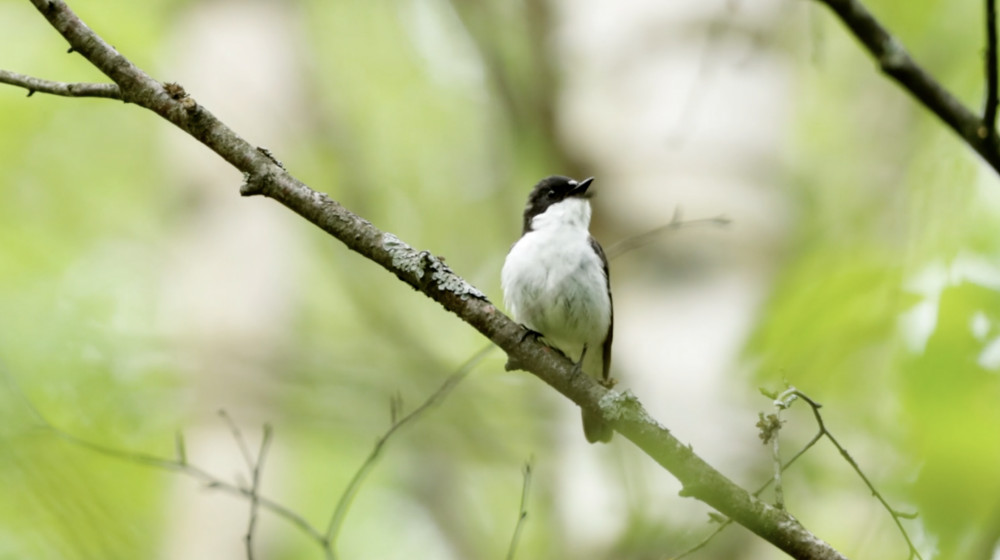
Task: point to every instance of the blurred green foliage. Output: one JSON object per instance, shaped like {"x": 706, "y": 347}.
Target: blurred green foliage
{"x": 91, "y": 210}
{"x": 89, "y": 223}
{"x": 890, "y": 199}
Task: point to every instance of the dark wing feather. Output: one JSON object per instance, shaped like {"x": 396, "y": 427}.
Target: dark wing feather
{"x": 611, "y": 324}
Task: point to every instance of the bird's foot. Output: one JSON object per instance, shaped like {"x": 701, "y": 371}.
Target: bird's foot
{"x": 513, "y": 364}
{"x": 578, "y": 365}
{"x": 530, "y": 333}
{"x": 608, "y": 383}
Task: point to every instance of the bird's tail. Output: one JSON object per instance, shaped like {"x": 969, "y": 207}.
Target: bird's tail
{"x": 596, "y": 429}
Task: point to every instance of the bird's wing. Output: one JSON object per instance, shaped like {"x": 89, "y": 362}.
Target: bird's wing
{"x": 611, "y": 323}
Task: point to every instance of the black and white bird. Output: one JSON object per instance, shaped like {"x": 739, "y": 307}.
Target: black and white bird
{"x": 555, "y": 282}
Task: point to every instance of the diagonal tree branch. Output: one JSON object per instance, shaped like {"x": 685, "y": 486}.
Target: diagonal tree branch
{"x": 990, "y": 108}
{"x": 427, "y": 273}
{"x": 893, "y": 59}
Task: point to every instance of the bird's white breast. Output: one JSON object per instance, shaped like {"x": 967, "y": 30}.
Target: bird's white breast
{"x": 553, "y": 281}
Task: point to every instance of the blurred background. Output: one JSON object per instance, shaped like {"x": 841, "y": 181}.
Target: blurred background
{"x": 139, "y": 294}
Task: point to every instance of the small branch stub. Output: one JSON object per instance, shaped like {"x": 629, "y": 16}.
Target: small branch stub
{"x": 256, "y": 183}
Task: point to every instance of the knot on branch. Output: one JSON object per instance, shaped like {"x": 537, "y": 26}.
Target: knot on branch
{"x": 177, "y": 93}
{"x": 256, "y": 183}
{"x": 893, "y": 56}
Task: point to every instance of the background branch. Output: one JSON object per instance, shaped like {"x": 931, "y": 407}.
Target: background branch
{"x": 770, "y": 427}
{"x": 895, "y": 62}
{"x": 326, "y": 540}
{"x": 787, "y": 398}
{"x": 990, "y": 108}
{"x": 265, "y": 442}
{"x": 676, "y": 222}
{"x": 522, "y": 512}
{"x": 182, "y": 466}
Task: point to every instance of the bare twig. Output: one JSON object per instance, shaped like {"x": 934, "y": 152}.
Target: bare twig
{"x": 708, "y": 65}
{"x": 254, "y": 466}
{"x": 522, "y": 512}
{"x": 779, "y": 491}
{"x": 897, "y": 516}
{"x": 32, "y": 84}
{"x": 676, "y": 222}
{"x": 990, "y": 109}
{"x": 185, "y": 468}
{"x": 722, "y": 524}
{"x": 238, "y": 438}
{"x": 265, "y": 441}
{"x": 895, "y": 62}
{"x": 340, "y": 512}
{"x": 770, "y": 428}
{"x": 180, "y": 448}
{"x": 327, "y": 540}
{"x": 726, "y": 522}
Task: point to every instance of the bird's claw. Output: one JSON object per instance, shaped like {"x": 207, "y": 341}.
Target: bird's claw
{"x": 513, "y": 364}
{"x": 530, "y": 333}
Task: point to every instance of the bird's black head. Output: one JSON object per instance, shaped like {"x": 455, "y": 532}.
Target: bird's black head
{"x": 551, "y": 190}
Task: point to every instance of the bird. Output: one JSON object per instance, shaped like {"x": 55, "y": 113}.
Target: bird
{"x": 555, "y": 283}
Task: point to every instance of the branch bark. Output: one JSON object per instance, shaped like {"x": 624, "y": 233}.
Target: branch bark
{"x": 264, "y": 175}
{"x": 895, "y": 62}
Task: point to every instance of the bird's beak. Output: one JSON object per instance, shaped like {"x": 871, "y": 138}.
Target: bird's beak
{"x": 581, "y": 188}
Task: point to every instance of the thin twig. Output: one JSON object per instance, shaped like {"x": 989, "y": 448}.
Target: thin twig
{"x": 210, "y": 480}
{"x": 255, "y": 488}
{"x": 704, "y": 542}
{"x": 785, "y": 400}
{"x": 522, "y": 512}
{"x": 779, "y": 490}
{"x": 676, "y": 222}
{"x": 180, "y": 448}
{"x": 340, "y": 512}
{"x": 181, "y": 465}
{"x": 690, "y": 109}
{"x": 896, "y": 515}
{"x": 990, "y": 109}
{"x": 726, "y": 522}
{"x": 238, "y": 437}
{"x": 65, "y": 89}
